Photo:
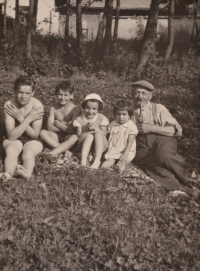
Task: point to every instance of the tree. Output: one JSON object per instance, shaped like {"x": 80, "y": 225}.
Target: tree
{"x": 4, "y": 18}
{"x": 102, "y": 25}
{"x": 149, "y": 35}
{"x": 195, "y": 36}
{"x": 116, "y": 21}
{"x": 1, "y": 22}
{"x": 17, "y": 11}
{"x": 170, "y": 29}
{"x": 79, "y": 27}
{"x": 29, "y": 29}
{"x": 67, "y": 19}
{"x": 107, "y": 38}
{"x": 34, "y": 20}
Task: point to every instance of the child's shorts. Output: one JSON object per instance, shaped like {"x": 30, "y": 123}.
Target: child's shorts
{"x": 61, "y": 136}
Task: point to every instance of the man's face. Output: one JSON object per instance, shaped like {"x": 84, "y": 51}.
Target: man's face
{"x": 141, "y": 96}
{"x": 24, "y": 94}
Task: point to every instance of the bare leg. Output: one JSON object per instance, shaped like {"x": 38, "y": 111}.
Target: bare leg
{"x": 108, "y": 163}
{"x": 122, "y": 165}
{"x": 98, "y": 150}
{"x": 12, "y": 150}
{"x": 66, "y": 145}
{"x": 87, "y": 143}
{"x": 31, "y": 149}
{"x": 50, "y": 138}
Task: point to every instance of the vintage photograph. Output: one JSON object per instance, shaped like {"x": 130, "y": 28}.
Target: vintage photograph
{"x": 100, "y": 135}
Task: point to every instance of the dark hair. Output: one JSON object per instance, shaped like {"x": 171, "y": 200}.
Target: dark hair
{"x": 123, "y": 105}
{"x": 24, "y": 81}
{"x": 64, "y": 86}
{"x": 100, "y": 105}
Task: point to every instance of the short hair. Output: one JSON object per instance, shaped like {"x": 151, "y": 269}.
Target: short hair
{"x": 24, "y": 81}
{"x": 123, "y": 105}
{"x": 100, "y": 105}
{"x": 64, "y": 86}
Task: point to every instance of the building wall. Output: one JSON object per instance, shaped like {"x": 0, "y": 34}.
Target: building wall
{"x": 129, "y": 27}
{"x": 45, "y": 9}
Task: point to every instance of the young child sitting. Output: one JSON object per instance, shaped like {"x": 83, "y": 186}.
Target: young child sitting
{"x": 122, "y": 144}
{"x": 61, "y": 135}
{"x": 23, "y": 121}
{"x": 92, "y": 127}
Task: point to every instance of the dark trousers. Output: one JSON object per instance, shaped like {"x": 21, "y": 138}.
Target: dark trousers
{"x": 158, "y": 156}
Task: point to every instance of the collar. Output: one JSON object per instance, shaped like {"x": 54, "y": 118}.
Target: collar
{"x": 90, "y": 120}
{"x": 126, "y": 124}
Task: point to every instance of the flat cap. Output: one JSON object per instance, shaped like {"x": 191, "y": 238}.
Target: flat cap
{"x": 143, "y": 84}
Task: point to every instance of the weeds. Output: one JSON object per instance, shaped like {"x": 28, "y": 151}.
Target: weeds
{"x": 75, "y": 219}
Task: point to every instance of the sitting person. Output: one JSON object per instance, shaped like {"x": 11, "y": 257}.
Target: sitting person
{"x": 122, "y": 144}
{"x": 92, "y": 127}
{"x": 156, "y": 150}
{"x": 61, "y": 135}
{"x": 23, "y": 121}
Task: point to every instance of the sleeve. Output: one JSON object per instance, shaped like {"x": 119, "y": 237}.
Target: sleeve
{"x": 76, "y": 122}
{"x": 168, "y": 120}
{"x": 104, "y": 121}
{"x": 132, "y": 129}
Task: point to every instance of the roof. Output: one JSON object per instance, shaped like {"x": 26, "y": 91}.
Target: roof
{"x": 125, "y": 4}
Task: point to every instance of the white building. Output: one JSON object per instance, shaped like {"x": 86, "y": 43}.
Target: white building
{"x": 45, "y": 14}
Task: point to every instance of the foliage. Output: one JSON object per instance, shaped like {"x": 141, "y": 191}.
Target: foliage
{"x": 74, "y": 219}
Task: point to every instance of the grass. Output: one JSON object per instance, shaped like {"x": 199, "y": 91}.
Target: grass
{"x": 74, "y": 219}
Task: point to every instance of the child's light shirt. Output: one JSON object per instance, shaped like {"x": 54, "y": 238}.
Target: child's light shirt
{"x": 83, "y": 121}
{"x": 97, "y": 121}
{"x": 119, "y": 134}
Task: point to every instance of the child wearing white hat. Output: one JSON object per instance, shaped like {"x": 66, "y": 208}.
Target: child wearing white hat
{"x": 92, "y": 128}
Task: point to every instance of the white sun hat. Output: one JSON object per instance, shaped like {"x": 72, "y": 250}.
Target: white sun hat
{"x": 93, "y": 96}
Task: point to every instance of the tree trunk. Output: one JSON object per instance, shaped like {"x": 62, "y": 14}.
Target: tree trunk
{"x": 170, "y": 29}
{"x": 149, "y": 35}
{"x": 107, "y": 39}
{"x": 29, "y": 29}
{"x": 116, "y": 22}
{"x": 67, "y": 19}
{"x": 17, "y": 11}
{"x": 34, "y": 20}
{"x": 1, "y": 22}
{"x": 192, "y": 38}
{"x": 4, "y": 18}
{"x": 102, "y": 25}
{"x": 79, "y": 27}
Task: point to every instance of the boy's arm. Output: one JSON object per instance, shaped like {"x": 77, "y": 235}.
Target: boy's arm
{"x": 50, "y": 121}
{"x": 69, "y": 129}
{"x": 129, "y": 143}
{"x": 13, "y": 132}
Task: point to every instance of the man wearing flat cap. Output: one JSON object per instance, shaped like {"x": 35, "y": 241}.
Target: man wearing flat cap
{"x": 156, "y": 149}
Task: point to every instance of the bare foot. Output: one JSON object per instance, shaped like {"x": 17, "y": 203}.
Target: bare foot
{"x": 83, "y": 162}
{"x": 95, "y": 165}
{"x": 5, "y": 177}
{"x": 68, "y": 155}
{"x": 21, "y": 171}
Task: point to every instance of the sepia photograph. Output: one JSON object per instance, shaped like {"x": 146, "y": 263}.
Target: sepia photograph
{"x": 99, "y": 135}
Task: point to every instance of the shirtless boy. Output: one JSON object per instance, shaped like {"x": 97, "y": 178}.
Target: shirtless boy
{"x": 23, "y": 121}
{"x": 61, "y": 133}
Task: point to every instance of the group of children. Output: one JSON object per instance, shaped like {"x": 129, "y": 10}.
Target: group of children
{"x": 66, "y": 125}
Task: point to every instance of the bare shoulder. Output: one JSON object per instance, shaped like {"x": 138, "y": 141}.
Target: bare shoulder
{"x": 11, "y": 101}
{"x": 76, "y": 108}
{"x": 36, "y": 102}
